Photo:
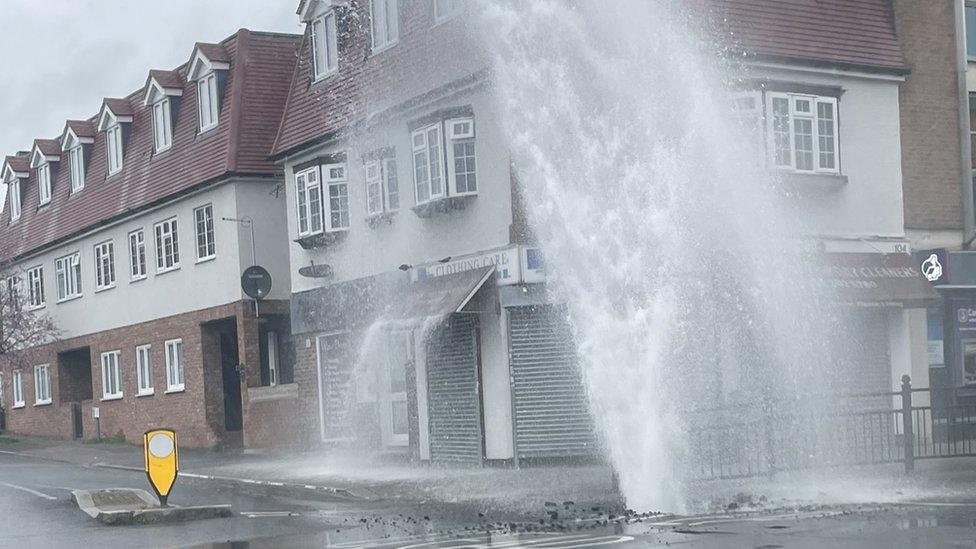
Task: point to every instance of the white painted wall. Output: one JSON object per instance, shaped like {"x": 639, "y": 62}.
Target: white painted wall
{"x": 194, "y": 286}
{"x": 870, "y": 204}
{"x": 264, "y": 204}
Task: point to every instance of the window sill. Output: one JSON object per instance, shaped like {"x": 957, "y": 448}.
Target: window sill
{"x": 76, "y": 191}
{"x": 69, "y": 298}
{"x": 323, "y": 78}
{"x": 138, "y": 278}
{"x": 203, "y": 133}
{"x": 103, "y": 288}
{"x": 161, "y": 151}
{"x": 811, "y": 180}
{"x": 43, "y": 403}
{"x": 442, "y": 205}
{"x": 113, "y": 174}
{"x": 206, "y": 259}
{"x": 18, "y": 406}
{"x": 284, "y": 391}
{"x": 376, "y": 220}
{"x": 174, "y": 391}
{"x": 112, "y": 397}
{"x": 169, "y": 270}
{"x": 374, "y": 51}
{"x": 36, "y": 307}
{"x": 148, "y": 393}
{"x": 320, "y": 240}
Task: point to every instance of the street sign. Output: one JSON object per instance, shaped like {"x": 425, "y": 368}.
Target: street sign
{"x": 256, "y": 282}
{"x": 162, "y": 461}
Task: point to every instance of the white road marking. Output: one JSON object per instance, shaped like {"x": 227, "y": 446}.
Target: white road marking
{"x": 28, "y": 490}
{"x": 269, "y": 514}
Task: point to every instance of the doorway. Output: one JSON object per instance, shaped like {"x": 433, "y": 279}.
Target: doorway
{"x": 394, "y": 410}
{"x": 233, "y": 411}
{"x": 75, "y": 384}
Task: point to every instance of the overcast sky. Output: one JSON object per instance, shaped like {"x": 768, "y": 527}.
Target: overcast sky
{"x": 61, "y": 57}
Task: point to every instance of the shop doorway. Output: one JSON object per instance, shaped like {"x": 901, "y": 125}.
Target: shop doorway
{"x": 394, "y": 409}
{"x": 75, "y": 385}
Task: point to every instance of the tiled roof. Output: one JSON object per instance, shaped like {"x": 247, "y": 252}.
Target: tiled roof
{"x": 19, "y": 163}
{"x": 167, "y": 79}
{"x": 250, "y": 112}
{"x": 425, "y": 58}
{"x": 119, "y": 107}
{"x": 82, "y": 128}
{"x": 48, "y": 147}
{"x": 844, "y": 33}
{"x": 213, "y": 52}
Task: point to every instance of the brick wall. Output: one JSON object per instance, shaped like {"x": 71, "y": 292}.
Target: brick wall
{"x": 195, "y": 413}
{"x": 929, "y": 115}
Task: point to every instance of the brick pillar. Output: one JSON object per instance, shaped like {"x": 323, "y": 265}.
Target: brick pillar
{"x": 248, "y": 353}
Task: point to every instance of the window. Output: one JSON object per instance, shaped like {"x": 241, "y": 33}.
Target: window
{"x": 42, "y": 385}
{"x": 970, "y": 30}
{"x": 428, "y": 154}
{"x": 44, "y": 184}
{"x": 1, "y": 389}
{"x": 325, "y": 58}
{"x": 112, "y": 375}
{"x": 137, "y": 255}
{"x": 272, "y": 358}
{"x": 446, "y": 9}
{"x": 167, "y": 246}
{"x": 803, "y": 132}
{"x": 14, "y": 199}
{"x": 174, "y": 365}
{"x": 68, "y": 272}
{"x": 13, "y": 290}
{"x": 207, "y": 103}
{"x": 35, "y": 287}
{"x": 104, "y": 266}
{"x": 113, "y": 148}
{"x": 162, "y": 125}
{"x": 461, "y": 161}
{"x": 385, "y": 23}
{"x": 335, "y": 179}
{"x": 144, "y": 370}
{"x": 309, "y": 201}
{"x": 18, "y": 388}
{"x": 76, "y": 162}
{"x": 382, "y": 188}
{"x": 205, "y": 232}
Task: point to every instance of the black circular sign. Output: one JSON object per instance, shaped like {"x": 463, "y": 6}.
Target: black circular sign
{"x": 256, "y": 282}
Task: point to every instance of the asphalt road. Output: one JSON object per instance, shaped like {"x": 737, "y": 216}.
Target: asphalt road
{"x": 36, "y": 511}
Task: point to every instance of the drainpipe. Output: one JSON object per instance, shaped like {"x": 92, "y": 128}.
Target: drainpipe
{"x": 965, "y": 158}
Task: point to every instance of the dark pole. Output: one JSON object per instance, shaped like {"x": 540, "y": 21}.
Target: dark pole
{"x": 907, "y": 425}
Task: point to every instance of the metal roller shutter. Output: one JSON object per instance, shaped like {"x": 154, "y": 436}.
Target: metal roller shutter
{"x": 454, "y": 402}
{"x": 552, "y": 417}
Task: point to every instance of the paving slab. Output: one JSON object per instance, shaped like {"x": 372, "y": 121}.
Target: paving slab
{"x": 120, "y": 506}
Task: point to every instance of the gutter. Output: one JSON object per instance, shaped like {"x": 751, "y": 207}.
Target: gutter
{"x": 965, "y": 157}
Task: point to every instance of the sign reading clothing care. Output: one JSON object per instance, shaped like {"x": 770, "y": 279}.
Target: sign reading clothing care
{"x": 505, "y": 261}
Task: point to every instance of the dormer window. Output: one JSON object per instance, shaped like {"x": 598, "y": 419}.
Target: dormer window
{"x": 325, "y": 51}
{"x": 116, "y": 115}
{"x": 162, "y": 125}
{"x": 208, "y": 68}
{"x": 207, "y": 102}
{"x": 44, "y": 153}
{"x": 15, "y": 170}
{"x": 14, "y": 186}
{"x": 385, "y": 21}
{"x": 77, "y": 140}
{"x": 163, "y": 92}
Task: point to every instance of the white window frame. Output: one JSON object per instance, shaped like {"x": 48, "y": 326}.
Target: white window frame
{"x": 272, "y": 344}
{"x": 44, "y": 184}
{"x": 308, "y": 201}
{"x": 422, "y": 148}
{"x": 17, "y": 383}
{"x": 15, "y": 202}
{"x": 382, "y": 186}
{"x": 163, "y": 232}
{"x": 42, "y": 384}
{"x": 35, "y": 287}
{"x": 1, "y": 390}
{"x": 207, "y": 245}
{"x": 447, "y": 9}
{"x": 208, "y": 102}
{"x": 325, "y": 50}
{"x": 76, "y": 165}
{"x": 144, "y": 373}
{"x": 104, "y": 265}
{"x": 175, "y": 366}
{"x": 137, "y": 255}
{"x": 793, "y": 100}
{"x": 460, "y": 131}
{"x": 113, "y": 149}
{"x": 162, "y": 125}
{"x": 112, "y": 375}
{"x": 67, "y": 270}
{"x": 336, "y": 191}
{"x": 383, "y": 34}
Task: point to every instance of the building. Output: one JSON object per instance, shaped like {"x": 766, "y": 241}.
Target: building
{"x": 131, "y": 229}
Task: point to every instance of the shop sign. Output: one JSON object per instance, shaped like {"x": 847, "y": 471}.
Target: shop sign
{"x": 533, "y": 266}
{"x": 505, "y": 261}
{"x": 934, "y": 265}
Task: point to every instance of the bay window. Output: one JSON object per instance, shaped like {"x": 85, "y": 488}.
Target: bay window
{"x": 802, "y": 132}
{"x": 338, "y": 192}
{"x": 428, "y": 164}
{"x": 309, "y": 201}
{"x": 444, "y": 160}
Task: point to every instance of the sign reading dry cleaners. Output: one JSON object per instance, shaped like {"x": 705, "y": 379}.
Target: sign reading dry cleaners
{"x": 505, "y": 261}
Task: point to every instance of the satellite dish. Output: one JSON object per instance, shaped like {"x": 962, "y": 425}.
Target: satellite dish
{"x": 256, "y": 282}
{"x": 316, "y": 271}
